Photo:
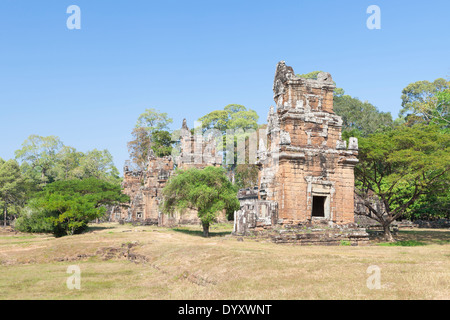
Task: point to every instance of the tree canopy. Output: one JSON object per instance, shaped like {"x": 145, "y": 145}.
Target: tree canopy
{"x": 150, "y": 134}
{"x": 47, "y": 159}
{"x": 13, "y": 187}
{"x": 206, "y": 190}
{"x": 399, "y": 166}
{"x": 425, "y": 101}
{"x": 66, "y": 207}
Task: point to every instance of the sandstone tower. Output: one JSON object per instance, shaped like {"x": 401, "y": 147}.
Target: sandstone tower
{"x": 314, "y": 177}
{"x": 306, "y": 175}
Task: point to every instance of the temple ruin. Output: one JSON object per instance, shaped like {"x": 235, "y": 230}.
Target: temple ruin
{"x": 144, "y": 187}
{"x": 306, "y": 170}
{"x": 305, "y": 191}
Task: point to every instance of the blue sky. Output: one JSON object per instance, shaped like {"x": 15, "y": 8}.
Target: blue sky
{"x": 188, "y": 58}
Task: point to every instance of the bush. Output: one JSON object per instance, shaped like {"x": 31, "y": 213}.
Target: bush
{"x": 33, "y": 220}
{"x": 66, "y": 207}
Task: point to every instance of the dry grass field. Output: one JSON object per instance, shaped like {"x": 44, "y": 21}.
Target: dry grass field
{"x": 179, "y": 264}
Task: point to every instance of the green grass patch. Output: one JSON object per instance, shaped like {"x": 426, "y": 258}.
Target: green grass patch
{"x": 406, "y": 243}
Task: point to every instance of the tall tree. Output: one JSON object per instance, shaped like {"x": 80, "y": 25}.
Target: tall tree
{"x": 425, "y": 101}
{"x": 12, "y": 187}
{"x": 99, "y": 164}
{"x": 361, "y": 116}
{"x": 206, "y": 190}
{"x": 68, "y": 164}
{"x": 150, "y": 133}
{"x": 398, "y": 166}
{"x": 233, "y": 116}
{"x": 243, "y": 123}
{"x": 41, "y": 154}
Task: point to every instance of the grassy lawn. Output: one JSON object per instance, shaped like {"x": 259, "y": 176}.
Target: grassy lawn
{"x": 180, "y": 264}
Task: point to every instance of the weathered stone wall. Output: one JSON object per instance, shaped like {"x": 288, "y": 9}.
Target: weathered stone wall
{"x": 145, "y": 187}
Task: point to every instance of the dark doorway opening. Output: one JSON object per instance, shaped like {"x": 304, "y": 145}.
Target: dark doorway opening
{"x": 318, "y": 207}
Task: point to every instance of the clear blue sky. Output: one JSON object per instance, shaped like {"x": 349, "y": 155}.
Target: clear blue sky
{"x": 188, "y": 58}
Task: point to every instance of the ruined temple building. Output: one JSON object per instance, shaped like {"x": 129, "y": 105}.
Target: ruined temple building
{"x": 144, "y": 187}
{"x": 306, "y": 170}
{"x": 305, "y": 191}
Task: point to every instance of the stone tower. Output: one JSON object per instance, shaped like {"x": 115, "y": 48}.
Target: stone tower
{"x": 307, "y": 169}
{"x": 305, "y": 190}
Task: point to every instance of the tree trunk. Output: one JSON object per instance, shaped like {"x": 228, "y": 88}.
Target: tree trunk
{"x": 205, "y": 229}
{"x": 4, "y": 216}
{"x": 387, "y": 233}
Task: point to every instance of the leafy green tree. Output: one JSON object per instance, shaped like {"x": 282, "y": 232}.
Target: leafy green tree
{"x": 425, "y": 101}
{"x": 398, "y": 167}
{"x": 233, "y": 116}
{"x": 99, "y": 164}
{"x": 153, "y": 120}
{"x": 361, "y": 116}
{"x": 206, "y": 190}
{"x": 243, "y": 123}
{"x": 47, "y": 159}
{"x": 246, "y": 176}
{"x": 68, "y": 164}
{"x": 150, "y": 133}
{"x": 41, "y": 155}
{"x": 12, "y": 188}
{"x": 356, "y": 115}
{"x": 161, "y": 143}
{"x": 66, "y": 207}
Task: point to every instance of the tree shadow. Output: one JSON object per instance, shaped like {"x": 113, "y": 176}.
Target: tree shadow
{"x": 199, "y": 233}
{"x": 99, "y": 227}
{"x": 427, "y": 236}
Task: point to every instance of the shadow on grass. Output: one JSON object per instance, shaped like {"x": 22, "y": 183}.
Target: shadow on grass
{"x": 425, "y": 236}
{"x": 99, "y": 227}
{"x": 414, "y": 238}
{"x": 199, "y": 233}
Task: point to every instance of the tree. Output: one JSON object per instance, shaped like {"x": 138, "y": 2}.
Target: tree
{"x": 161, "y": 143}
{"x": 399, "y": 166}
{"x": 41, "y": 154}
{"x": 150, "y": 133}
{"x": 233, "y": 116}
{"x": 243, "y": 123}
{"x": 68, "y": 164}
{"x": 99, "y": 164}
{"x": 139, "y": 147}
{"x": 206, "y": 190}
{"x": 425, "y": 101}
{"x": 356, "y": 114}
{"x": 361, "y": 116}
{"x": 66, "y": 207}
{"x": 153, "y": 120}
{"x": 12, "y": 187}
